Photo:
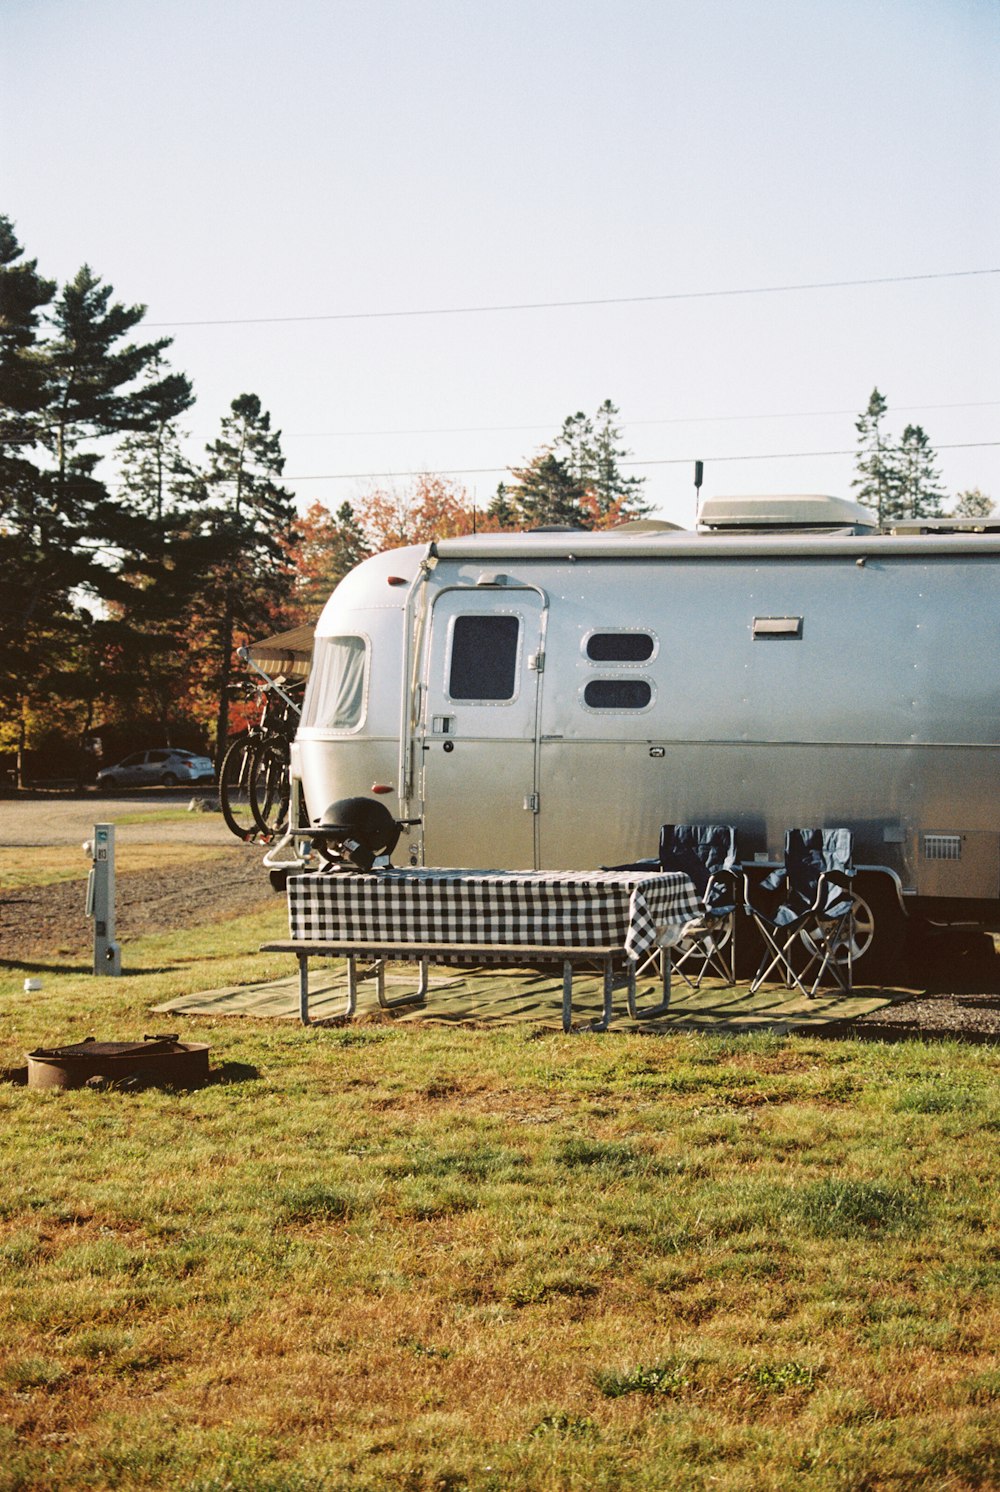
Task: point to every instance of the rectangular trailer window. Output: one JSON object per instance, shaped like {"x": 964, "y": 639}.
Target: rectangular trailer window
{"x": 335, "y": 695}
{"x": 484, "y": 653}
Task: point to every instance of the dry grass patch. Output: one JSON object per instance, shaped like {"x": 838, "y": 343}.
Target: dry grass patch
{"x": 401, "y": 1257}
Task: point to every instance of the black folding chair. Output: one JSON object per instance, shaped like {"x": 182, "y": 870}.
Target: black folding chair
{"x": 706, "y": 854}
{"x": 816, "y": 912}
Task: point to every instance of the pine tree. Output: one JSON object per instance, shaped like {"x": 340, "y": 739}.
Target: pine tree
{"x": 152, "y": 527}
{"x": 546, "y": 494}
{"x": 250, "y": 535}
{"x": 593, "y": 453}
{"x": 618, "y": 496}
{"x": 501, "y": 513}
{"x": 877, "y": 481}
{"x": 30, "y": 571}
{"x": 973, "y": 503}
{"x": 919, "y": 493}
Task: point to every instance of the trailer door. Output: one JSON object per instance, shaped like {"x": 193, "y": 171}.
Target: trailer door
{"x": 479, "y": 728}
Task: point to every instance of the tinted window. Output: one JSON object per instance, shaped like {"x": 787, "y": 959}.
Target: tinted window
{"x": 483, "y": 657}
{"x": 134, "y": 759}
{"x": 157, "y": 756}
{"x": 618, "y": 694}
{"x": 620, "y": 647}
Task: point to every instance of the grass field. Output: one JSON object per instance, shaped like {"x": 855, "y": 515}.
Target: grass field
{"x": 412, "y": 1258}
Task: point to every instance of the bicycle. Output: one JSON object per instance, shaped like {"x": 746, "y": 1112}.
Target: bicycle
{"x": 254, "y": 783}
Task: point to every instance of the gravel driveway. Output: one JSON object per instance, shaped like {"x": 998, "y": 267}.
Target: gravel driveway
{"x": 62, "y": 818}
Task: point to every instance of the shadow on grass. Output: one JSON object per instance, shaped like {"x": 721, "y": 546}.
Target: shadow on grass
{"x": 27, "y": 966}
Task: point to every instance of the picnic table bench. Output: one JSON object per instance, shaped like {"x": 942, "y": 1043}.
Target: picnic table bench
{"x": 424, "y": 954}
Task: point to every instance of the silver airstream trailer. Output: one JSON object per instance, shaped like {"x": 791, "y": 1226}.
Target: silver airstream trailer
{"x": 550, "y": 699}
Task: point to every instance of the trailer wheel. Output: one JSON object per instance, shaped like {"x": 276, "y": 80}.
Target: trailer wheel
{"x": 879, "y": 931}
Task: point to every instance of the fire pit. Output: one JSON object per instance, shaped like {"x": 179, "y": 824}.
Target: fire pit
{"x": 160, "y": 1061}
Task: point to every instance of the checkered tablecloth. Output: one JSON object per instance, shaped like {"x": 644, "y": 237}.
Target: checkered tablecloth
{"x": 636, "y": 911}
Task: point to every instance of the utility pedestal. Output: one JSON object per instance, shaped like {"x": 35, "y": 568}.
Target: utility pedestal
{"x": 101, "y": 899}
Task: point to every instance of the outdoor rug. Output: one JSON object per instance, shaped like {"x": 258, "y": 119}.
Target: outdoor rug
{"x": 486, "y": 997}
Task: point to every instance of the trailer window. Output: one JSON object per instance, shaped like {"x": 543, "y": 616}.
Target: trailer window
{"x": 618, "y": 694}
{"x": 335, "y": 695}
{"x": 620, "y": 647}
{"x": 484, "y": 657}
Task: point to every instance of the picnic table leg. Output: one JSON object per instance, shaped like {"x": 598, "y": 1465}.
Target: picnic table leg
{"x": 647, "y": 1012}
{"x": 609, "y": 982}
{"x": 415, "y": 999}
{"x": 303, "y": 959}
{"x": 352, "y": 986}
{"x": 608, "y": 997}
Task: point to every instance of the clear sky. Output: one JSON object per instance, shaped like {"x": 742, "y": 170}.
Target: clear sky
{"x": 224, "y": 160}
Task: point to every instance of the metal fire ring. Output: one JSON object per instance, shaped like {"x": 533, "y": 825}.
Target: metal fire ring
{"x": 162, "y": 1061}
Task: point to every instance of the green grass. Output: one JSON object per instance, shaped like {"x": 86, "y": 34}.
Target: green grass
{"x": 395, "y": 1256}
{"x": 43, "y": 866}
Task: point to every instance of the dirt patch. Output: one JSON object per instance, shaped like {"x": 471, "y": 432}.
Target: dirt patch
{"x": 36, "y": 920}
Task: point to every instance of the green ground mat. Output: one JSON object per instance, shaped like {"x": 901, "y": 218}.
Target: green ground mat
{"x": 487, "y": 997}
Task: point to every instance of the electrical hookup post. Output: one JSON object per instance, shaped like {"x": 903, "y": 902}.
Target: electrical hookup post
{"x": 101, "y": 899}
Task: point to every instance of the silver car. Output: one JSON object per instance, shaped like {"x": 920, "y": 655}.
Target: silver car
{"x": 165, "y": 766}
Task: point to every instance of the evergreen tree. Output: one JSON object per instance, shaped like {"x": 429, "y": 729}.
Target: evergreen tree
{"x": 617, "y": 495}
{"x": 29, "y": 573}
{"x": 501, "y": 513}
{"x": 575, "y": 445}
{"x": 973, "y": 503}
{"x": 153, "y": 528}
{"x": 919, "y": 493}
{"x": 546, "y": 494}
{"x": 92, "y": 380}
{"x": 877, "y": 481}
{"x": 593, "y": 453}
{"x": 250, "y": 535}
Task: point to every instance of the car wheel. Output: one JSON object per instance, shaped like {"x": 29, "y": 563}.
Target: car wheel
{"x": 168, "y": 780}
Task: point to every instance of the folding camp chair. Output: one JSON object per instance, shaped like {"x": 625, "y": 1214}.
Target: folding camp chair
{"x": 816, "y": 912}
{"x": 706, "y": 854}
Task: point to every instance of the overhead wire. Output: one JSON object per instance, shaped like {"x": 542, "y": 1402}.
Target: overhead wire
{"x": 472, "y": 471}
{"x": 559, "y": 305}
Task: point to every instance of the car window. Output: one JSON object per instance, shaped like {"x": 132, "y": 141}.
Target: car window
{"x": 157, "y": 756}
{"x": 134, "y": 759}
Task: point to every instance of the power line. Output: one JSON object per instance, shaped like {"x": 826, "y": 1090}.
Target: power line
{"x": 562, "y": 305}
{"x": 480, "y": 471}
{"x": 697, "y": 419}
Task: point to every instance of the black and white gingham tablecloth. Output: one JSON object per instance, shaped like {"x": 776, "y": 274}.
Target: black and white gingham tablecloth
{"x": 635, "y": 910}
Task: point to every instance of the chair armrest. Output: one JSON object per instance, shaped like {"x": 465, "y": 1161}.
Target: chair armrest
{"x": 841, "y": 878}
{"x": 726, "y": 880}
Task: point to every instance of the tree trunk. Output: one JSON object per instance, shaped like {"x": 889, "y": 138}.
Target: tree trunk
{"x": 225, "y": 674}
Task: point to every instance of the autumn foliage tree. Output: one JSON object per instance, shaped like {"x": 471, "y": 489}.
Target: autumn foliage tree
{"x": 326, "y": 546}
{"x": 433, "y": 508}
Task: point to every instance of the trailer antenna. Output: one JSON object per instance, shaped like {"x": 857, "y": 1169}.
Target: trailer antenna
{"x": 699, "y": 473}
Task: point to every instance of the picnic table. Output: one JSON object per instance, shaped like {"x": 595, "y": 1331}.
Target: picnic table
{"x": 479, "y": 917}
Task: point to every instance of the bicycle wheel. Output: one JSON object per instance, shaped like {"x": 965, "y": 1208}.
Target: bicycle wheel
{"x": 235, "y": 785}
{"x": 269, "y": 785}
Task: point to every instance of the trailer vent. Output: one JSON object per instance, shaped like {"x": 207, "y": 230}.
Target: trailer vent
{"x": 942, "y": 846}
{"x": 777, "y": 626}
